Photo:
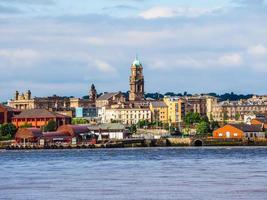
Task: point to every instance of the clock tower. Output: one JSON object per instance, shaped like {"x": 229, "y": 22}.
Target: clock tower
{"x": 136, "y": 81}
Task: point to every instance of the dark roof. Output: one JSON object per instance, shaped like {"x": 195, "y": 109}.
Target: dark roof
{"x": 108, "y": 126}
{"x": 158, "y": 104}
{"x": 248, "y": 128}
{"x": 107, "y": 96}
{"x": 38, "y": 113}
{"x": 261, "y": 120}
{"x": 56, "y": 134}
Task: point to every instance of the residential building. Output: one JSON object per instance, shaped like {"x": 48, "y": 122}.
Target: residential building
{"x": 159, "y": 111}
{"x": 176, "y": 109}
{"x": 126, "y": 114}
{"x": 201, "y": 104}
{"x": 239, "y": 131}
{"x": 235, "y": 111}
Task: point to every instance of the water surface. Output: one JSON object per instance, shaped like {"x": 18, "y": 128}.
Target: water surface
{"x": 121, "y": 174}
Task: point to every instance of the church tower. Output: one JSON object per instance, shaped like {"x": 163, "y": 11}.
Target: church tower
{"x": 136, "y": 81}
{"x": 92, "y": 93}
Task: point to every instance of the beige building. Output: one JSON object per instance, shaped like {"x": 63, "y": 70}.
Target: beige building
{"x": 235, "y": 111}
{"x": 25, "y": 101}
{"x": 159, "y": 111}
{"x": 108, "y": 99}
{"x": 176, "y": 109}
{"x": 125, "y": 115}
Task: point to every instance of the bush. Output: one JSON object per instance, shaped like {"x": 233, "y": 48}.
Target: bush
{"x": 8, "y": 130}
{"x": 76, "y": 121}
{"x": 51, "y": 126}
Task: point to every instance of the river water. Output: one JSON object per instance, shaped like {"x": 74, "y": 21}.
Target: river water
{"x": 121, "y": 174}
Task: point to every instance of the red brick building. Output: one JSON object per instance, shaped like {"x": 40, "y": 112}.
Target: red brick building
{"x": 6, "y": 114}
{"x": 39, "y": 117}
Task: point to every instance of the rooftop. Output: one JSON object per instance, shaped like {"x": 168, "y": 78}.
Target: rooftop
{"x": 107, "y": 96}
{"x": 38, "y": 113}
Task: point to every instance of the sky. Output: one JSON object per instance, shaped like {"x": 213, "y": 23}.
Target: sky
{"x": 199, "y": 46}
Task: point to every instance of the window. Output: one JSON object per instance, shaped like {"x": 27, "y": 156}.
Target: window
{"x": 235, "y": 134}
{"x": 228, "y": 134}
{"x": 220, "y": 134}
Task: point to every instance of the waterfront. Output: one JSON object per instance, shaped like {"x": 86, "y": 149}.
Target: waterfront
{"x": 151, "y": 173}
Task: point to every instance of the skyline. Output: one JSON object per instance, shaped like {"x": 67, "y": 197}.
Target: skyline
{"x": 199, "y": 48}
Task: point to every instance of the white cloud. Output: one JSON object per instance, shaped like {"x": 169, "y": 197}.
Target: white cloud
{"x": 258, "y": 50}
{"x": 21, "y": 57}
{"x": 167, "y": 12}
{"x": 19, "y": 54}
{"x": 234, "y": 59}
{"x": 104, "y": 66}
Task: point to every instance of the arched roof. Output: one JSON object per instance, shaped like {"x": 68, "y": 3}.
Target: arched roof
{"x": 73, "y": 129}
{"x": 25, "y": 133}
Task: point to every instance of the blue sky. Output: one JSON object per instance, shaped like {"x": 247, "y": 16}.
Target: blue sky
{"x": 62, "y": 46}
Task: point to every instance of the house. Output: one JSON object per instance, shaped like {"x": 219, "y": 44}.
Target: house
{"x": 239, "y": 131}
{"x": 39, "y": 117}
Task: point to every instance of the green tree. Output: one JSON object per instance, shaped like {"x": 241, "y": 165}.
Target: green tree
{"x": 51, "y": 126}
{"x": 8, "y": 130}
{"x": 214, "y": 125}
{"x": 76, "y": 121}
{"x": 203, "y": 128}
{"x": 225, "y": 116}
{"x": 237, "y": 116}
{"x": 133, "y": 129}
{"x": 192, "y": 118}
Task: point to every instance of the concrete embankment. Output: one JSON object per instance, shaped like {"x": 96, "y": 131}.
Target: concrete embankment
{"x": 202, "y": 141}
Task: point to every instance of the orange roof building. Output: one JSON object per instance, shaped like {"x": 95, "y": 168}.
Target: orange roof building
{"x": 239, "y": 131}
{"x": 39, "y": 117}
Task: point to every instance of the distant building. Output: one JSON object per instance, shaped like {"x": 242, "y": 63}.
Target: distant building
{"x": 92, "y": 114}
{"x": 201, "y": 104}
{"x": 126, "y": 114}
{"x": 25, "y": 101}
{"x": 137, "y": 82}
{"x": 38, "y": 118}
{"x": 259, "y": 121}
{"x": 159, "y": 111}
{"x": 108, "y": 99}
{"x": 176, "y": 109}
{"x": 235, "y": 111}
{"x": 239, "y": 131}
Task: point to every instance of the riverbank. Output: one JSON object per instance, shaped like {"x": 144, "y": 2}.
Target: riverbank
{"x": 141, "y": 142}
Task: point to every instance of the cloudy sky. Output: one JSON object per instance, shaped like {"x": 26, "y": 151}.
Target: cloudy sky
{"x": 62, "y": 46}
